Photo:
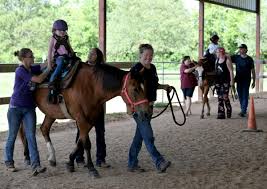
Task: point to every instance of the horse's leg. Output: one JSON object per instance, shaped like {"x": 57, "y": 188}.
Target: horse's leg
{"x": 203, "y": 103}
{"x": 208, "y": 103}
{"x": 25, "y": 145}
{"x": 72, "y": 156}
{"x": 205, "y": 98}
{"x": 45, "y": 128}
{"x": 90, "y": 165}
{"x": 84, "y": 142}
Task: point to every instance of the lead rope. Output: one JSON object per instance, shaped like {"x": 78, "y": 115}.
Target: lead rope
{"x": 170, "y": 103}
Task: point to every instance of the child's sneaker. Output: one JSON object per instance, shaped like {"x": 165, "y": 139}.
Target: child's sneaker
{"x": 11, "y": 168}
{"x": 163, "y": 166}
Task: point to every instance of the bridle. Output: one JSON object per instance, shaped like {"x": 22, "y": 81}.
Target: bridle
{"x": 125, "y": 96}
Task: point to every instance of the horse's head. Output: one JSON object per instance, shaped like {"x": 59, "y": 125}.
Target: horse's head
{"x": 133, "y": 94}
{"x": 200, "y": 70}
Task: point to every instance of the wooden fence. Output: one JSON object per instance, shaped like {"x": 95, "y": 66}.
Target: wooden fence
{"x": 7, "y": 68}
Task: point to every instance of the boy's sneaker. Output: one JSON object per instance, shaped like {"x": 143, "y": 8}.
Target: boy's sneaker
{"x": 11, "y": 168}
{"x": 136, "y": 169}
{"x": 103, "y": 165}
{"x": 241, "y": 114}
{"x": 38, "y": 170}
{"x": 163, "y": 166}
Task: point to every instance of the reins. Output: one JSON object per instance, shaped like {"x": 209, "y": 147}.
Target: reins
{"x": 170, "y": 104}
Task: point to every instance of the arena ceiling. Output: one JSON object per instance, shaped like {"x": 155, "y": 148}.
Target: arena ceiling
{"x": 246, "y": 5}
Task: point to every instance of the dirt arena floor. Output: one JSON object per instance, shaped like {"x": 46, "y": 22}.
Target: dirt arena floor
{"x": 205, "y": 154}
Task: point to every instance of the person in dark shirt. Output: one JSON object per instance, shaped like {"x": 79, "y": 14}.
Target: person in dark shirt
{"x": 224, "y": 79}
{"x": 143, "y": 127}
{"x": 244, "y": 70}
{"x": 96, "y": 57}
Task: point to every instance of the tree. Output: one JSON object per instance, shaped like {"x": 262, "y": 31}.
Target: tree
{"x": 24, "y": 24}
{"x": 164, "y": 24}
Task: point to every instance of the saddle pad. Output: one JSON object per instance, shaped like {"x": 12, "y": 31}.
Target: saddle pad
{"x": 68, "y": 77}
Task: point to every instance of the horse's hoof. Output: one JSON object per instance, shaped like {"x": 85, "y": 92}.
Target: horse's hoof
{"x": 94, "y": 173}
{"x": 53, "y": 163}
{"x": 202, "y": 117}
{"x": 70, "y": 167}
{"x": 208, "y": 114}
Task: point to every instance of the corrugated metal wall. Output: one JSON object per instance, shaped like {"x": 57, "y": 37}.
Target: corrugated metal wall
{"x": 248, "y": 5}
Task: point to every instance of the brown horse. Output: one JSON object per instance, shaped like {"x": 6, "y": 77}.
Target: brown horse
{"x": 206, "y": 78}
{"x": 90, "y": 89}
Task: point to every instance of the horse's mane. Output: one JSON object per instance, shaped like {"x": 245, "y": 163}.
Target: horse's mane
{"x": 111, "y": 76}
{"x": 207, "y": 64}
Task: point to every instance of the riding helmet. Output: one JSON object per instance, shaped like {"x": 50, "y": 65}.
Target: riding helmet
{"x": 60, "y": 25}
{"x": 214, "y": 38}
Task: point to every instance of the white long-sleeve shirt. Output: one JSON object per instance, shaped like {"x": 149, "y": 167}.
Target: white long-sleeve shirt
{"x": 212, "y": 48}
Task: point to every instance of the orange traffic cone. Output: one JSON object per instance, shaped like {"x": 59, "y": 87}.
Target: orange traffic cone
{"x": 252, "y": 126}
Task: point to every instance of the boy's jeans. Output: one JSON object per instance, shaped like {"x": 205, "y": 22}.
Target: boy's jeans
{"x": 143, "y": 132}
{"x": 243, "y": 94}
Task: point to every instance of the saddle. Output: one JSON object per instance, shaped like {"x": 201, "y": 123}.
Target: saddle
{"x": 64, "y": 81}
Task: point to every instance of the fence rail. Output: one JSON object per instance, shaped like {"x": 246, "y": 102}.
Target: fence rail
{"x": 9, "y": 68}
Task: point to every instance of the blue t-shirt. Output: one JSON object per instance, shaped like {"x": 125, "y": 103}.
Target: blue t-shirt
{"x": 243, "y": 67}
{"x": 22, "y": 95}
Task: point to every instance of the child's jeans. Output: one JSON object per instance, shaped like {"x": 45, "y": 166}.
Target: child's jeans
{"x": 60, "y": 64}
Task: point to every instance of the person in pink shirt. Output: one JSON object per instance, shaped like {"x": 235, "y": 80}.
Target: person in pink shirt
{"x": 188, "y": 81}
{"x": 59, "y": 51}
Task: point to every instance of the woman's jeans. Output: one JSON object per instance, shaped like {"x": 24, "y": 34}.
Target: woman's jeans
{"x": 15, "y": 116}
{"x": 60, "y": 60}
{"x": 243, "y": 94}
{"x": 143, "y": 132}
